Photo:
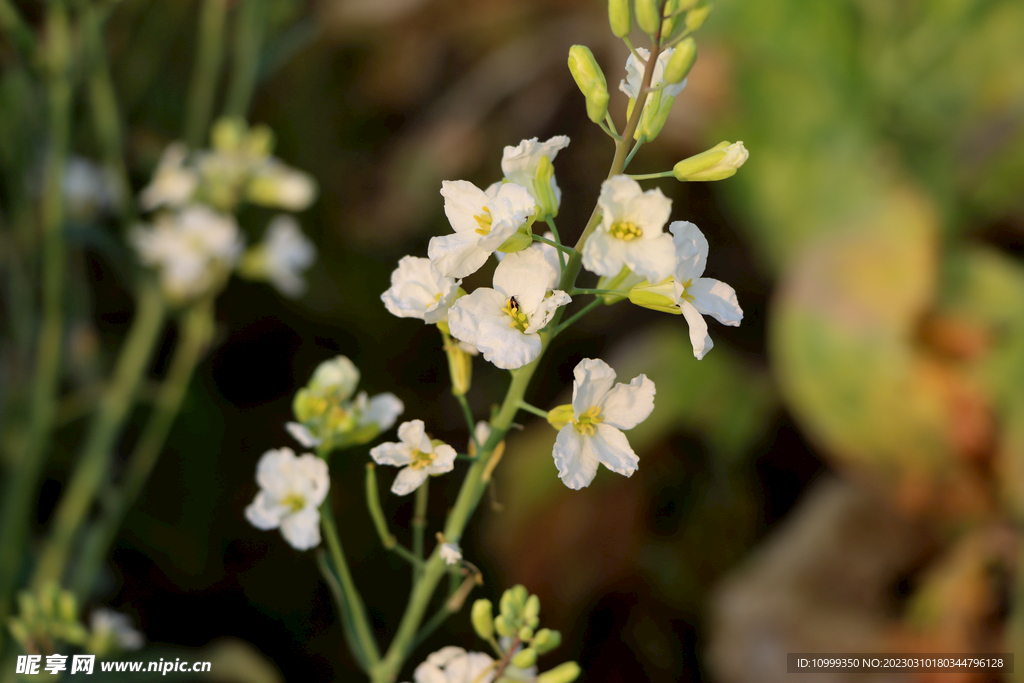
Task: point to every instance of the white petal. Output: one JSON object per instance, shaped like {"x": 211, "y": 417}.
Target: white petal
{"x": 262, "y": 513}
{"x": 414, "y": 434}
{"x": 519, "y": 163}
{"x": 315, "y": 479}
{"x": 482, "y": 432}
{"x": 442, "y": 657}
{"x": 407, "y": 481}
{"x": 612, "y": 448}
{"x": 338, "y": 376}
{"x": 470, "y": 668}
{"x": 302, "y": 529}
{"x": 457, "y": 255}
{"x": 524, "y": 275}
{"x": 627, "y": 405}
{"x": 382, "y": 410}
{"x": 649, "y": 210}
{"x": 603, "y": 254}
{"x": 540, "y": 318}
{"x": 576, "y": 462}
{"x": 653, "y": 258}
{"x": 444, "y": 460}
{"x": 691, "y": 250}
{"x": 302, "y": 434}
{"x": 462, "y": 201}
{"x": 418, "y": 290}
{"x": 429, "y": 673}
{"x": 717, "y": 299}
{"x": 273, "y": 471}
{"x": 450, "y": 553}
{"x": 699, "y": 337}
{"x": 592, "y": 379}
{"x": 391, "y": 453}
{"x": 506, "y": 346}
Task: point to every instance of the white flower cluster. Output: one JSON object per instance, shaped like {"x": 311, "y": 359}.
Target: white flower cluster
{"x": 194, "y": 241}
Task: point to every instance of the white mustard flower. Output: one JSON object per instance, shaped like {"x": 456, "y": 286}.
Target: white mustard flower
{"x": 635, "y": 74}
{"x": 699, "y": 296}
{"x": 416, "y": 454}
{"x": 550, "y": 255}
{"x": 451, "y": 553}
{"x": 503, "y": 322}
{"x": 193, "y": 249}
{"x": 524, "y": 165}
{"x": 631, "y": 233}
{"x": 379, "y": 412}
{"x": 454, "y": 665}
{"x": 592, "y": 431}
{"x": 482, "y": 222}
{"x": 173, "y": 183}
{"x": 108, "y": 627}
{"x": 419, "y": 290}
{"x": 281, "y": 257}
{"x": 291, "y": 491}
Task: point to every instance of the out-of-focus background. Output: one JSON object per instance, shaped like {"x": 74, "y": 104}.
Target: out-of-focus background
{"x": 843, "y": 472}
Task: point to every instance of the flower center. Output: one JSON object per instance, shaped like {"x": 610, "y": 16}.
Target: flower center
{"x": 588, "y": 421}
{"x": 420, "y": 459}
{"x": 686, "y": 285}
{"x": 519, "y": 319}
{"x": 627, "y": 231}
{"x": 484, "y": 221}
{"x": 294, "y": 501}
{"x": 338, "y": 418}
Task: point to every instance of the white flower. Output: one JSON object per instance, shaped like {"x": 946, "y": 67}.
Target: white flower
{"x": 521, "y": 163}
{"x": 550, "y": 255}
{"x": 418, "y": 290}
{"x": 450, "y": 553}
{"x": 115, "y": 628}
{"x": 382, "y": 410}
{"x": 455, "y": 665}
{"x": 482, "y": 222}
{"x": 291, "y": 491}
{"x": 631, "y": 232}
{"x": 599, "y": 411}
{"x": 192, "y": 249}
{"x": 635, "y": 74}
{"x": 504, "y": 322}
{"x": 416, "y": 455}
{"x": 173, "y": 183}
{"x": 281, "y": 257}
{"x": 698, "y": 295}
{"x": 337, "y": 377}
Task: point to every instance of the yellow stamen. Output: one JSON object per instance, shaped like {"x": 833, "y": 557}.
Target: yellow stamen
{"x": 484, "y": 221}
{"x": 626, "y": 231}
{"x": 294, "y": 501}
{"x": 688, "y": 297}
{"x": 420, "y": 459}
{"x": 519, "y": 319}
{"x": 588, "y": 421}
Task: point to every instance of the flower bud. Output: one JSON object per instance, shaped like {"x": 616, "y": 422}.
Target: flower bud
{"x": 681, "y": 61}
{"x": 502, "y": 626}
{"x": 520, "y": 239}
{"x": 483, "y": 621}
{"x": 520, "y": 594}
{"x": 695, "y": 17}
{"x": 546, "y": 640}
{"x": 654, "y": 115}
{"x": 532, "y": 609}
{"x": 460, "y": 367}
{"x": 547, "y": 201}
{"x": 591, "y": 81}
{"x": 227, "y": 134}
{"x": 648, "y": 15}
{"x": 560, "y": 416}
{"x": 525, "y": 633}
{"x": 524, "y": 659}
{"x": 659, "y": 297}
{"x": 67, "y": 606}
{"x": 563, "y": 673}
{"x": 507, "y": 606}
{"x": 620, "y": 18}
{"x": 719, "y": 162}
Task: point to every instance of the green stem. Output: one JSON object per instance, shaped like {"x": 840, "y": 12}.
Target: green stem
{"x": 113, "y": 409}
{"x": 196, "y": 330}
{"x": 610, "y": 122}
{"x": 352, "y": 611}
{"x": 105, "y": 111}
{"x": 579, "y": 314}
{"x": 380, "y": 522}
{"x": 249, "y": 30}
{"x": 209, "y": 56}
{"x": 652, "y": 176}
{"x": 523, "y": 405}
{"x": 419, "y": 525}
{"x": 468, "y": 415}
{"x": 560, "y": 247}
{"x": 596, "y": 292}
{"x": 639, "y": 143}
{"x": 43, "y": 401}
{"x": 554, "y": 231}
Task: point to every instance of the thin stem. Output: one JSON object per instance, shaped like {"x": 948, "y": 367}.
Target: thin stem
{"x": 523, "y": 405}
{"x": 554, "y": 231}
{"x": 468, "y": 415}
{"x": 194, "y": 336}
{"x": 608, "y": 131}
{"x": 353, "y": 612}
{"x": 560, "y": 247}
{"x": 579, "y": 314}
{"x": 209, "y": 56}
{"x": 347, "y": 629}
{"x": 636, "y": 148}
{"x": 93, "y": 463}
{"x": 610, "y": 122}
{"x": 596, "y": 292}
{"x": 419, "y": 524}
{"x": 380, "y": 523}
{"x": 652, "y": 176}
{"x": 43, "y": 401}
{"x": 632, "y": 49}
{"x": 249, "y": 29}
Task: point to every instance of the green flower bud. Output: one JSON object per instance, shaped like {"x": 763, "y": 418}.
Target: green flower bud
{"x": 591, "y": 81}
{"x": 502, "y": 626}
{"x": 525, "y": 658}
{"x": 718, "y": 163}
{"x": 525, "y": 633}
{"x": 654, "y": 115}
{"x": 483, "y": 621}
{"x": 560, "y": 416}
{"x": 460, "y": 366}
{"x": 546, "y": 640}
{"x": 681, "y": 61}
{"x": 648, "y": 15}
{"x": 547, "y": 202}
{"x": 532, "y": 609}
{"x": 520, "y": 239}
{"x": 67, "y": 606}
{"x": 19, "y": 632}
{"x": 520, "y": 594}
{"x": 659, "y": 297}
{"x": 695, "y": 17}
{"x": 620, "y": 18}
{"x": 507, "y": 605}
{"x": 260, "y": 141}
{"x": 563, "y": 673}
{"x": 227, "y": 134}
{"x": 28, "y": 608}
